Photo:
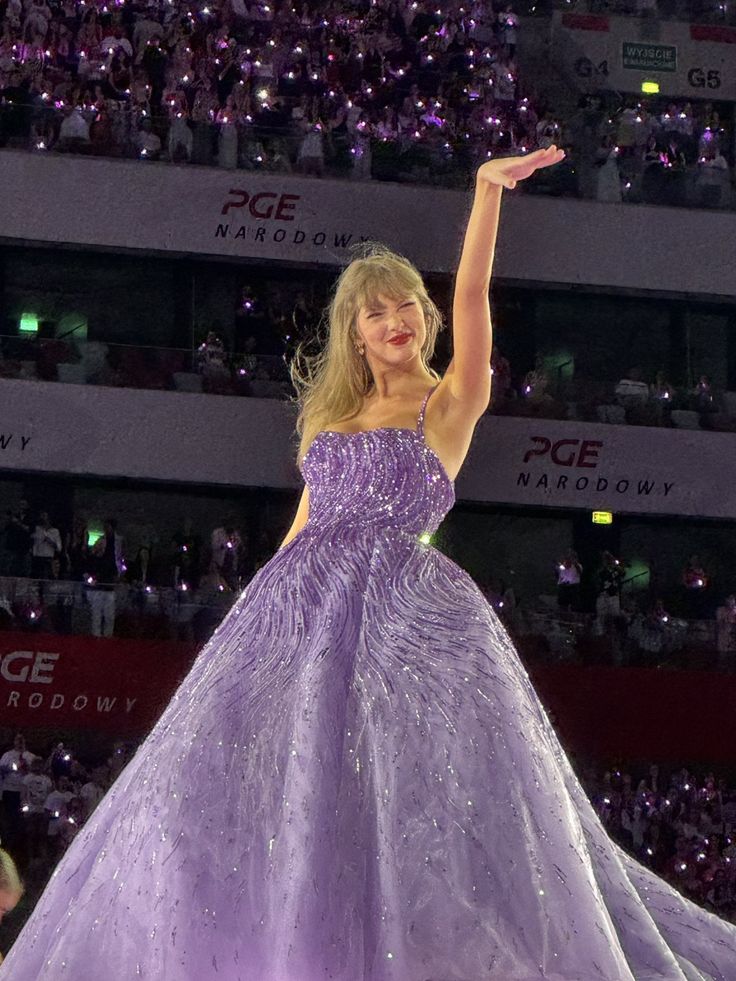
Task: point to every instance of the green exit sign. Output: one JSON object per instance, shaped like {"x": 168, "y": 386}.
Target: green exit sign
{"x": 645, "y": 57}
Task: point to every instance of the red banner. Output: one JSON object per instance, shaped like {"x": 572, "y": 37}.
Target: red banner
{"x": 121, "y": 686}
{"x": 585, "y": 22}
{"x": 633, "y": 713}
{"x": 713, "y": 32}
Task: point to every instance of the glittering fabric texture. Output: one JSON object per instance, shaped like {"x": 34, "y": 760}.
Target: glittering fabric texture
{"x": 356, "y": 781}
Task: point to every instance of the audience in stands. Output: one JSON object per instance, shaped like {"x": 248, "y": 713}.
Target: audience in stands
{"x": 181, "y": 589}
{"x": 187, "y": 544}
{"x": 391, "y": 90}
{"x": 650, "y": 150}
{"x": 304, "y": 89}
{"x": 683, "y": 829}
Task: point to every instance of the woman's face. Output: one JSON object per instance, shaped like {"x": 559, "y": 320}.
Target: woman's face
{"x": 384, "y": 318}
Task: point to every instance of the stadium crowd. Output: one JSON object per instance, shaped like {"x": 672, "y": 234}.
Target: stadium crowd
{"x": 210, "y": 82}
{"x": 386, "y": 89}
{"x": 621, "y": 612}
{"x": 653, "y": 151}
{"x": 680, "y": 825}
{"x": 84, "y": 579}
{"x": 639, "y": 398}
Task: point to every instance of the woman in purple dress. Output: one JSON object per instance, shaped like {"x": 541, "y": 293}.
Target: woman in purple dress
{"x": 356, "y": 781}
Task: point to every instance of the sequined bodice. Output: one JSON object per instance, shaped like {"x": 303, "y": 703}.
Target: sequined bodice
{"x": 380, "y": 478}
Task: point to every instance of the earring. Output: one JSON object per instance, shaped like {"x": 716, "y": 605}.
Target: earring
{"x": 360, "y": 350}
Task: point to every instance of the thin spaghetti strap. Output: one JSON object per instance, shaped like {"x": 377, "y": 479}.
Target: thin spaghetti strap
{"x": 420, "y": 420}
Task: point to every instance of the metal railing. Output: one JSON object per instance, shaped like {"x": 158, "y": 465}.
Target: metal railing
{"x": 699, "y": 12}
{"x": 192, "y": 611}
{"x": 210, "y": 368}
{"x": 548, "y": 635}
{"x": 430, "y": 155}
{"x": 206, "y": 368}
{"x": 62, "y": 606}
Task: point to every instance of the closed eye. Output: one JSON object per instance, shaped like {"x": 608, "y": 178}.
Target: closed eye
{"x": 377, "y": 313}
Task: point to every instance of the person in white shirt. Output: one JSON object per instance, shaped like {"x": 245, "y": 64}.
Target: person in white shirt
{"x": 13, "y": 765}
{"x": 117, "y": 40}
{"x": 713, "y": 179}
{"x": 38, "y": 15}
{"x": 92, "y": 793}
{"x": 311, "y": 158}
{"x": 74, "y": 129}
{"x": 632, "y": 390}
{"x": 57, "y": 806}
{"x": 36, "y": 788}
{"x": 148, "y": 142}
{"x": 145, "y": 29}
{"x": 45, "y": 548}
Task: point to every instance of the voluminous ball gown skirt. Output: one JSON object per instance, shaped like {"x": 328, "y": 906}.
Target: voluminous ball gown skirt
{"x": 356, "y": 781}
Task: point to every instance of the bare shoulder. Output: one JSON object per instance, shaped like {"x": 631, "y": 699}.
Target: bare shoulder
{"x": 348, "y": 424}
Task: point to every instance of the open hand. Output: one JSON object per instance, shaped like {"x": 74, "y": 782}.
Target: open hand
{"x": 506, "y": 171}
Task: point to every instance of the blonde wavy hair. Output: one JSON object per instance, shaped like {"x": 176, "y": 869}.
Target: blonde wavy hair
{"x": 332, "y": 383}
{"x": 10, "y": 881}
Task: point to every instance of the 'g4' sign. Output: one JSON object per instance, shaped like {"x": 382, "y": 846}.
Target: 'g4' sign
{"x": 585, "y": 68}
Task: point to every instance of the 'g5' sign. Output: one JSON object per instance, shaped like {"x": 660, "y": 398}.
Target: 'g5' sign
{"x": 704, "y": 78}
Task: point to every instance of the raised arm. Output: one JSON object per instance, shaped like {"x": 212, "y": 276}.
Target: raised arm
{"x": 469, "y": 373}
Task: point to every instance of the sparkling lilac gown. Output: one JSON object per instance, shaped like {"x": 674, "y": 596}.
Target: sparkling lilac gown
{"x": 357, "y": 782}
